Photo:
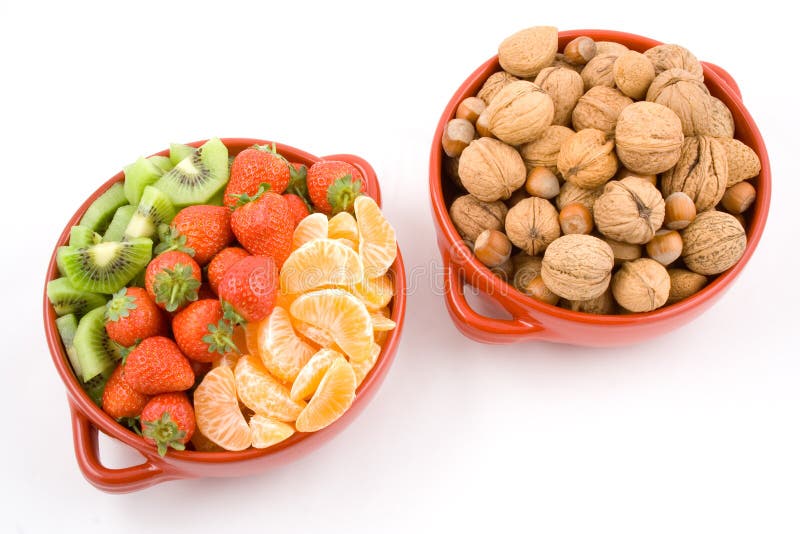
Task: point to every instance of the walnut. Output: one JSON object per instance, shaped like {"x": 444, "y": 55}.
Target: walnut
{"x": 641, "y": 285}
{"x": 577, "y": 267}
{"x": 471, "y": 216}
{"x": 610, "y": 47}
{"x": 571, "y": 193}
{"x": 532, "y": 225}
{"x": 743, "y": 162}
{"x": 528, "y": 51}
{"x": 599, "y": 71}
{"x": 543, "y": 151}
{"x": 633, "y": 73}
{"x": 587, "y": 159}
{"x": 490, "y": 169}
{"x": 565, "y": 87}
{"x": 624, "y": 251}
{"x": 561, "y": 61}
{"x": 629, "y": 210}
{"x": 526, "y": 268}
{"x": 713, "y": 242}
{"x": 648, "y": 137}
{"x": 519, "y": 113}
{"x": 701, "y": 172}
{"x": 683, "y": 284}
{"x": 602, "y": 305}
{"x": 493, "y": 84}
{"x": 671, "y": 56}
{"x": 599, "y": 108}
{"x": 720, "y": 121}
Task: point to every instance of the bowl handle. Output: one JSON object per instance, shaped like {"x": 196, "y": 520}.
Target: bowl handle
{"x": 123, "y": 480}
{"x": 479, "y": 327}
{"x": 366, "y": 169}
{"x": 726, "y": 77}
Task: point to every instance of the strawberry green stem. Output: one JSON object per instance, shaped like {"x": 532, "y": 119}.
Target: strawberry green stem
{"x": 165, "y": 433}
{"x": 176, "y": 287}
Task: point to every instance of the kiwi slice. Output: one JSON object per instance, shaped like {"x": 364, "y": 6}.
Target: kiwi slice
{"x": 68, "y": 300}
{"x": 101, "y": 210}
{"x": 116, "y": 229}
{"x": 61, "y": 253}
{"x": 139, "y": 175}
{"x": 106, "y": 267}
{"x": 154, "y": 209}
{"x": 96, "y": 352}
{"x": 178, "y": 152}
{"x": 162, "y": 162}
{"x": 198, "y": 177}
{"x": 82, "y": 236}
{"x": 67, "y": 326}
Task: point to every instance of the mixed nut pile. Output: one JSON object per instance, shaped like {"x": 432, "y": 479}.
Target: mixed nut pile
{"x": 600, "y": 179}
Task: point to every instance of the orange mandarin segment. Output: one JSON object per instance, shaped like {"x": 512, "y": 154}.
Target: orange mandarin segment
{"x": 267, "y": 431}
{"x": 217, "y": 411}
{"x": 314, "y": 226}
{"x": 321, "y": 262}
{"x": 262, "y": 393}
{"x": 377, "y": 240}
{"x": 311, "y": 374}
{"x": 282, "y": 352}
{"x": 333, "y": 397}
{"x": 362, "y": 368}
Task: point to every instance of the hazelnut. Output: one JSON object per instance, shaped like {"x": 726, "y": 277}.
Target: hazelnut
{"x": 641, "y": 285}
{"x": 542, "y": 183}
{"x": 528, "y": 51}
{"x": 602, "y": 305}
{"x": 492, "y": 248}
{"x": 671, "y": 56}
{"x": 580, "y": 50}
{"x": 713, "y": 242}
{"x": 470, "y": 109}
{"x": 587, "y": 159}
{"x": 743, "y": 162}
{"x": 684, "y": 284}
{"x": 610, "y": 47}
{"x": 526, "y": 268}
{"x": 519, "y": 113}
{"x": 679, "y": 211}
{"x": 577, "y": 267}
{"x": 665, "y": 247}
{"x": 739, "y": 197}
{"x": 543, "y": 151}
{"x": 629, "y": 210}
{"x": 491, "y": 170}
{"x": 482, "y": 125}
{"x": 561, "y": 61}
{"x": 624, "y": 251}
{"x": 633, "y": 73}
{"x": 648, "y": 137}
{"x": 493, "y": 84}
{"x": 599, "y": 71}
{"x": 504, "y": 271}
{"x": 599, "y": 109}
{"x": 626, "y": 173}
{"x": 532, "y": 225}
{"x": 537, "y": 289}
{"x": 457, "y": 135}
{"x": 565, "y": 87}
{"x": 572, "y": 193}
{"x": 701, "y": 172}
{"x": 575, "y": 218}
{"x": 471, "y": 216}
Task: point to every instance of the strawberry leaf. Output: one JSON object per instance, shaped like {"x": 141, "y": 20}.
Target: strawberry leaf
{"x": 120, "y": 305}
{"x": 175, "y": 287}
{"x": 219, "y": 338}
{"x": 343, "y": 192}
{"x": 165, "y": 433}
{"x": 172, "y": 239}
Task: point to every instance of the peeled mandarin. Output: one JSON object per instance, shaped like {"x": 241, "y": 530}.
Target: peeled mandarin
{"x": 377, "y": 240}
{"x": 333, "y": 397}
{"x": 314, "y": 226}
{"x": 311, "y": 374}
{"x": 318, "y": 263}
{"x": 282, "y": 352}
{"x": 262, "y": 393}
{"x": 217, "y": 412}
{"x": 267, "y": 431}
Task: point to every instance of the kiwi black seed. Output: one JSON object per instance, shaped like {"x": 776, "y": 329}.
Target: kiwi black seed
{"x": 106, "y": 267}
{"x": 197, "y": 177}
{"x": 154, "y": 209}
{"x": 100, "y": 211}
{"x": 68, "y": 300}
{"x": 97, "y": 354}
{"x": 116, "y": 229}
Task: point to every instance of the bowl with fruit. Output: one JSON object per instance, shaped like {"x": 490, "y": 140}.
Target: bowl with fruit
{"x": 598, "y": 187}
{"x": 222, "y": 307}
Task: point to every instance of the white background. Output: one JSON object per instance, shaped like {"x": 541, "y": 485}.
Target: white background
{"x": 698, "y": 431}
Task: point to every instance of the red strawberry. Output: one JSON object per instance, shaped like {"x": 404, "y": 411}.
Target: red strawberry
{"x": 201, "y": 332}
{"x": 297, "y": 207}
{"x": 334, "y": 185}
{"x": 221, "y": 263}
{"x": 172, "y": 280}
{"x": 253, "y": 167}
{"x": 263, "y": 225}
{"x": 131, "y": 316}
{"x": 120, "y": 399}
{"x": 168, "y": 421}
{"x": 200, "y": 231}
{"x": 250, "y": 288}
{"x": 157, "y": 365}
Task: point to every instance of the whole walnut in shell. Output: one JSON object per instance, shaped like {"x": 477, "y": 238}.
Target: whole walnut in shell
{"x": 532, "y": 225}
{"x": 624, "y": 251}
{"x": 493, "y": 84}
{"x": 587, "y": 159}
{"x": 672, "y": 56}
{"x": 528, "y": 51}
{"x": 565, "y": 87}
{"x": 599, "y": 71}
{"x": 720, "y": 121}
{"x": 543, "y": 151}
{"x": 743, "y": 162}
{"x": 713, "y": 242}
{"x": 571, "y": 193}
{"x": 629, "y": 210}
{"x": 683, "y": 284}
{"x": 701, "y": 172}
{"x": 648, "y": 137}
{"x": 519, "y": 113}
{"x": 610, "y": 47}
{"x": 490, "y": 169}
{"x": 641, "y": 285}
{"x": 577, "y": 266}
{"x": 602, "y": 305}
{"x": 599, "y": 108}
{"x": 633, "y": 74}
{"x": 471, "y": 216}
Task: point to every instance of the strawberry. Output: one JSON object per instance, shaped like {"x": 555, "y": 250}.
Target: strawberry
{"x": 131, "y": 316}
{"x": 168, "y": 421}
{"x": 156, "y": 366}
{"x": 201, "y": 332}
{"x": 120, "y": 399}
{"x": 297, "y": 208}
{"x": 172, "y": 280}
{"x": 334, "y": 185}
{"x": 255, "y": 166}
{"x": 221, "y": 263}
{"x": 200, "y": 231}
{"x": 249, "y": 288}
{"x": 263, "y": 225}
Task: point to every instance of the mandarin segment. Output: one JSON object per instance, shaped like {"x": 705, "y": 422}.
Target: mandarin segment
{"x": 377, "y": 245}
{"x": 343, "y": 226}
{"x": 282, "y": 352}
{"x": 381, "y": 323}
{"x": 268, "y": 432}
{"x": 333, "y": 397}
{"x": 312, "y": 372}
{"x": 362, "y": 368}
{"x": 321, "y": 262}
{"x": 315, "y": 335}
{"x": 315, "y": 226}
{"x": 262, "y": 393}
{"x": 216, "y": 409}
{"x": 375, "y": 292}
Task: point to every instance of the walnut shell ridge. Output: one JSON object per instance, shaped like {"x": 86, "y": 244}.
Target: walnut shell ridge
{"x": 577, "y": 267}
{"x": 641, "y": 285}
{"x": 743, "y": 162}
{"x": 629, "y": 210}
{"x": 565, "y": 87}
{"x": 713, "y": 242}
{"x": 701, "y": 172}
{"x": 599, "y": 108}
{"x": 519, "y": 113}
{"x": 588, "y": 159}
{"x": 493, "y": 84}
{"x": 532, "y": 224}
{"x": 471, "y": 216}
{"x": 672, "y": 56}
{"x": 648, "y": 137}
{"x": 490, "y": 169}
{"x": 543, "y": 151}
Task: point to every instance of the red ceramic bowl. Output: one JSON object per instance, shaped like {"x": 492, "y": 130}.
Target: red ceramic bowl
{"x": 531, "y": 319}
{"x": 88, "y": 419}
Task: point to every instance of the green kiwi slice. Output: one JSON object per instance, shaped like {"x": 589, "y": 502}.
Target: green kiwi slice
{"x": 116, "y": 229}
{"x": 67, "y": 326}
{"x": 197, "y": 177}
{"x": 97, "y": 354}
{"x": 154, "y": 209}
{"x": 106, "y": 267}
{"x": 61, "y": 253}
{"x": 101, "y": 210}
{"x": 179, "y": 152}
{"x": 162, "y": 162}
{"x": 68, "y": 300}
{"x": 82, "y": 236}
{"x": 139, "y": 175}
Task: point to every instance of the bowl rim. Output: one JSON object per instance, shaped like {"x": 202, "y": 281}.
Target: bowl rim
{"x": 478, "y": 274}
{"x": 104, "y": 422}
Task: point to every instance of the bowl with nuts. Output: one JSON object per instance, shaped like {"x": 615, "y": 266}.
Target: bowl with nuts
{"x": 601, "y": 187}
